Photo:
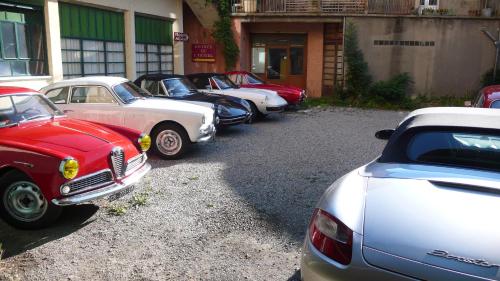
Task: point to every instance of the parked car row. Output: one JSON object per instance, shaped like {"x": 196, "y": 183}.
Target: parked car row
{"x": 83, "y": 139}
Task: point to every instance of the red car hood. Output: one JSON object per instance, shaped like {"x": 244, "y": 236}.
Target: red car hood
{"x": 64, "y": 132}
{"x": 275, "y": 87}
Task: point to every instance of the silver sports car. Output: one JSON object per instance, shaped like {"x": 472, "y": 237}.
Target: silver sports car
{"x": 428, "y": 208}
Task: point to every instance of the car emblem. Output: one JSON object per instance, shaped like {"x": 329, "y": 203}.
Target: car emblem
{"x": 478, "y": 262}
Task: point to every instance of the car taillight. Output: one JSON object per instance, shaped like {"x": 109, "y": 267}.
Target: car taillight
{"x": 331, "y": 237}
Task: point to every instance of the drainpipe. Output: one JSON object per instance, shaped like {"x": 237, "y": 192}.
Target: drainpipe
{"x": 496, "y": 43}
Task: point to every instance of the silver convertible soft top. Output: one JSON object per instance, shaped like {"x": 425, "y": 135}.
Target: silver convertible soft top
{"x": 484, "y": 118}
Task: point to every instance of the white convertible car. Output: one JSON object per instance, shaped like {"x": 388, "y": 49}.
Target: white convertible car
{"x": 173, "y": 125}
{"x": 261, "y": 101}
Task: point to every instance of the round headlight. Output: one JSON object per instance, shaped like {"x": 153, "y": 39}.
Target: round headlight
{"x": 69, "y": 168}
{"x": 144, "y": 142}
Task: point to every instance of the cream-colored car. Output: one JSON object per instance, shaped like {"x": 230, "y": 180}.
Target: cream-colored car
{"x": 173, "y": 125}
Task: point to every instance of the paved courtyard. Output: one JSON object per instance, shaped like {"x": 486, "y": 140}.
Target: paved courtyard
{"x": 234, "y": 209}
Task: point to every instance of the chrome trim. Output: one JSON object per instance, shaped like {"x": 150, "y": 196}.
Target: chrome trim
{"x": 118, "y": 168}
{"x": 144, "y": 159}
{"x": 29, "y": 165}
{"x": 230, "y": 121}
{"x": 83, "y": 178}
{"x": 103, "y": 192}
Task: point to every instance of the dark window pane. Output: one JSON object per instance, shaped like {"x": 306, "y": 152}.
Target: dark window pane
{"x": 297, "y": 61}
{"x": 22, "y": 41}
{"x": 5, "y": 69}
{"x": 471, "y": 150}
{"x": 276, "y": 63}
{"x": 19, "y": 68}
{"x": 9, "y": 40}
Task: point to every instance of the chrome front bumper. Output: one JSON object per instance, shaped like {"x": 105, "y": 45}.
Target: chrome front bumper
{"x": 207, "y": 134}
{"x": 104, "y": 191}
{"x": 235, "y": 121}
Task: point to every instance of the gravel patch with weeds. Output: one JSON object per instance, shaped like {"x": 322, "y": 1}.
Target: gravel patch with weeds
{"x": 235, "y": 209}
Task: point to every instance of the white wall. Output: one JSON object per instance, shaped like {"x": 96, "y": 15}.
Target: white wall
{"x": 168, "y": 9}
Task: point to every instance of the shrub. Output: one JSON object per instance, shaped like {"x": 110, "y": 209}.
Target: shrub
{"x": 358, "y": 78}
{"x": 487, "y": 79}
{"x": 392, "y": 90}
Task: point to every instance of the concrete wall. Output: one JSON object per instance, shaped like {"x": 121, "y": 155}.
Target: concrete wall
{"x": 453, "y": 66}
{"x": 171, "y": 9}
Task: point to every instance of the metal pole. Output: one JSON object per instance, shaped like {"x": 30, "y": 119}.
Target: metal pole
{"x": 496, "y": 43}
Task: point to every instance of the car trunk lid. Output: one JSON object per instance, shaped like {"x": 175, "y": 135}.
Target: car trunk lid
{"x": 445, "y": 225}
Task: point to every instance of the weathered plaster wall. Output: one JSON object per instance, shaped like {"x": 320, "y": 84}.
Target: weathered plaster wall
{"x": 453, "y": 66}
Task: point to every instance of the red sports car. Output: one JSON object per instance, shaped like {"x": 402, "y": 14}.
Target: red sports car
{"x": 48, "y": 160}
{"x": 293, "y": 95}
{"x": 489, "y": 97}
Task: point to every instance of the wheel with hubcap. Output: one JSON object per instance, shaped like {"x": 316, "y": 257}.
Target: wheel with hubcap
{"x": 255, "y": 112}
{"x": 23, "y": 204}
{"x": 170, "y": 141}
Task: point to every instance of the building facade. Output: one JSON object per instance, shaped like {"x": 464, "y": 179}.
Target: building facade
{"x": 438, "y": 42}
{"x": 43, "y": 41}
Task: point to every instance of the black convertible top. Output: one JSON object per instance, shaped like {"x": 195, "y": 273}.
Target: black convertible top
{"x": 156, "y": 77}
{"x": 207, "y": 74}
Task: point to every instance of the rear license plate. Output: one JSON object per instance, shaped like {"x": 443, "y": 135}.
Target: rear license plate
{"x": 121, "y": 193}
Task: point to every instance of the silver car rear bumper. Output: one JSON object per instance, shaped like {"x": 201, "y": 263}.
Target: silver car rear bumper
{"x": 134, "y": 178}
{"x": 317, "y": 267}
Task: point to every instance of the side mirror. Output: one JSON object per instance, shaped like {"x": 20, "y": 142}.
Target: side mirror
{"x": 468, "y": 103}
{"x": 384, "y": 134}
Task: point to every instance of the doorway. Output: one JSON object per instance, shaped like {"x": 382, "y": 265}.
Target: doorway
{"x": 280, "y": 59}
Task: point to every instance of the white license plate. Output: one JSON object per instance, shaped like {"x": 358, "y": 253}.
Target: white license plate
{"x": 121, "y": 193}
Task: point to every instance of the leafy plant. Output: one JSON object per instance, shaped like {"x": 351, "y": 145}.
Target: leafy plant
{"x": 117, "y": 210}
{"x": 1, "y": 251}
{"x": 358, "y": 78}
{"x": 488, "y": 80}
{"x": 223, "y": 33}
{"x": 392, "y": 90}
{"x": 139, "y": 199}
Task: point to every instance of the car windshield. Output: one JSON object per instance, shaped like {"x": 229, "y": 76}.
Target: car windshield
{"x": 224, "y": 82}
{"x": 254, "y": 79}
{"x": 128, "y": 92}
{"x": 179, "y": 87}
{"x": 471, "y": 150}
{"x": 25, "y": 107}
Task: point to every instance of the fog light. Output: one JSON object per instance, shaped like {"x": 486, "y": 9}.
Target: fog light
{"x": 65, "y": 190}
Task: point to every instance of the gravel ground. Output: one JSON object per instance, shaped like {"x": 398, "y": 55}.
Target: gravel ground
{"x": 234, "y": 209}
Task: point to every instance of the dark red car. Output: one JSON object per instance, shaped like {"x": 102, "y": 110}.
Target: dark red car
{"x": 293, "y": 95}
{"x": 489, "y": 97}
{"x": 48, "y": 160}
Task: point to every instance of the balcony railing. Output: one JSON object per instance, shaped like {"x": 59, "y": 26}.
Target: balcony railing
{"x": 398, "y": 7}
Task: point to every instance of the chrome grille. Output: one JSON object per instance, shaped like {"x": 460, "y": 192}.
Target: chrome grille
{"x": 91, "y": 181}
{"x": 135, "y": 163}
{"x": 118, "y": 161}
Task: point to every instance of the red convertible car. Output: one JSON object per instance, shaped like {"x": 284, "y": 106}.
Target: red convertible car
{"x": 293, "y": 95}
{"x": 48, "y": 160}
{"x": 489, "y": 97}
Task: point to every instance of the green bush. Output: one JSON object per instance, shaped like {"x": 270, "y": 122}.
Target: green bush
{"x": 487, "y": 79}
{"x": 358, "y": 78}
{"x": 392, "y": 90}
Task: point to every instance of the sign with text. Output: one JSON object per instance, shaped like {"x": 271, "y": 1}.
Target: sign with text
{"x": 181, "y": 36}
{"x": 203, "y": 52}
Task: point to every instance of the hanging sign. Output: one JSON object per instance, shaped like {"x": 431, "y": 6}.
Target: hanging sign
{"x": 203, "y": 52}
{"x": 181, "y": 36}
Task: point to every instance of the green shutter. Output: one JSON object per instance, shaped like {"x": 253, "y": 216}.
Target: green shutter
{"x": 150, "y": 30}
{"x": 90, "y": 23}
